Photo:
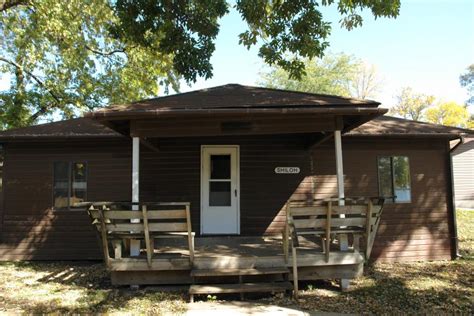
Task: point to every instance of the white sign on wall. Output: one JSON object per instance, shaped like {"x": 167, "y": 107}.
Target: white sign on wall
{"x": 287, "y": 170}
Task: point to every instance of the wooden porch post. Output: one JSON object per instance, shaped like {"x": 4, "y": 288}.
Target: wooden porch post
{"x": 339, "y": 167}
{"x": 134, "y": 243}
{"x": 343, "y": 240}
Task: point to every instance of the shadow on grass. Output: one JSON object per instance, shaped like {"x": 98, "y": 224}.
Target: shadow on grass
{"x": 434, "y": 287}
{"x": 408, "y": 288}
{"x": 106, "y": 301}
{"x": 77, "y": 287}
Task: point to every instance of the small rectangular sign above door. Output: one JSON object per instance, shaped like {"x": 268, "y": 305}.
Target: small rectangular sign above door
{"x": 287, "y": 170}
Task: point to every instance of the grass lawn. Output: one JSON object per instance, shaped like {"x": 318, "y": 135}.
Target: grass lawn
{"x": 427, "y": 287}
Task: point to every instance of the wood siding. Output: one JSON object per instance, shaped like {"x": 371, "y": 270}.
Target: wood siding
{"x": 463, "y": 174}
{"x": 31, "y": 229}
{"x": 173, "y": 174}
{"x": 411, "y": 231}
{"x": 419, "y": 230}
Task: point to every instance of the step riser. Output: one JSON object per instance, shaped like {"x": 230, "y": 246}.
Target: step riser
{"x": 238, "y": 263}
{"x": 240, "y": 288}
{"x": 235, "y": 279}
{"x": 238, "y": 272}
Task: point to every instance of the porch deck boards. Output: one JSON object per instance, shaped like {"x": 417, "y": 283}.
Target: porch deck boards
{"x": 232, "y": 253}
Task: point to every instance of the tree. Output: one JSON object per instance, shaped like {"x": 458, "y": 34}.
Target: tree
{"x": 467, "y": 81}
{"x": 286, "y": 32}
{"x": 367, "y": 82}
{"x": 411, "y": 105}
{"x": 338, "y": 74}
{"x": 69, "y": 56}
{"x": 62, "y": 58}
{"x": 448, "y": 113}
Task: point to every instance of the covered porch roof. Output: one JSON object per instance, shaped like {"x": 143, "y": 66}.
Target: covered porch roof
{"x": 234, "y": 110}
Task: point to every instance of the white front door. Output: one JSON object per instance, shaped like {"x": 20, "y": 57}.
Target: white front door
{"x": 220, "y": 190}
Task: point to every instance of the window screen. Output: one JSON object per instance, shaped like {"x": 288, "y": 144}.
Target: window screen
{"x": 70, "y": 184}
{"x": 394, "y": 178}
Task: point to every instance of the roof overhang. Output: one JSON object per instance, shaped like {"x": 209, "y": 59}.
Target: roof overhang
{"x": 447, "y": 136}
{"x": 279, "y": 118}
{"x": 119, "y": 115}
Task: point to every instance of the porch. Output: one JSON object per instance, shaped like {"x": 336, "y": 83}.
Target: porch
{"x": 325, "y": 242}
{"x": 234, "y": 264}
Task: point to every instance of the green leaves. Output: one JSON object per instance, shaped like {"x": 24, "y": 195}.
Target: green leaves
{"x": 65, "y": 57}
{"x": 285, "y": 28}
{"x": 289, "y": 32}
{"x": 63, "y": 60}
{"x": 338, "y": 74}
{"x": 421, "y": 107}
{"x": 286, "y": 31}
{"x": 184, "y": 29}
{"x": 411, "y": 105}
{"x": 448, "y": 113}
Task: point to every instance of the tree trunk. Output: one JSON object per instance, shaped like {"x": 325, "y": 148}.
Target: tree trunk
{"x": 16, "y": 117}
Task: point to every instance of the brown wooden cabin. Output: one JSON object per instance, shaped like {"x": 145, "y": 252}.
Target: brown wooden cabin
{"x": 237, "y": 155}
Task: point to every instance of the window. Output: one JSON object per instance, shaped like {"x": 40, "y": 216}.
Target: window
{"x": 394, "y": 179}
{"x": 220, "y": 181}
{"x": 70, "y": 184}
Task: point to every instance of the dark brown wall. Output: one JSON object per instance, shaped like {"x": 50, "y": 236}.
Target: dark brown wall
{"x": 173, "y": 174}
{"x": 31, "y": 230}
{"x": 413, "y": 231}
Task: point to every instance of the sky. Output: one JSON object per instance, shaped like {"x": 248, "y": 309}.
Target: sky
{"x": 426, "y": 47}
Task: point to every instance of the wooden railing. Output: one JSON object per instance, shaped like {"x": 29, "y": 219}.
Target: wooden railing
{"x": 327, "y": 220}
{"x": 117, "y": 222}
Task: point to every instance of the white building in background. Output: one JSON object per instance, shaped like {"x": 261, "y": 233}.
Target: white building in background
{"x": 463, "y": 174}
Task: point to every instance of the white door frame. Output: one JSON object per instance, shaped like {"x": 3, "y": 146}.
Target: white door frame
{"x": 237, "y": 181}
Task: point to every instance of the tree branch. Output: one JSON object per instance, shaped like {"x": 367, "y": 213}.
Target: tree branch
{"x": 7, "y": 4}
{"x": 43, "y": 108}
{"x": 106, "y": 54}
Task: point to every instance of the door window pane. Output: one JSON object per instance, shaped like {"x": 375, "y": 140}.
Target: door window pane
{"x": 219, "y": 193}
{"x": 61, "y": 184}
{"x": 220, "y": 166}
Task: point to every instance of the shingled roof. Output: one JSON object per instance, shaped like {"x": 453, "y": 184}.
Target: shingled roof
{"x": 73, "y": 128}
{"x": 394, "y": 126}
{"x": 87, "y": 128}
{"x": 232, "y": 97}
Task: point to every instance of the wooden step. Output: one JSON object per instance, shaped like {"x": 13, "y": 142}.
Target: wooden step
{"x": 231, "y": 272}
{"x": 240, "y": 288}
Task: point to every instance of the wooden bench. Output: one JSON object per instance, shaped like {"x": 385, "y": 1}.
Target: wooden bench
{"x": 327, "y": 220}
{"x": 118, "y": 221}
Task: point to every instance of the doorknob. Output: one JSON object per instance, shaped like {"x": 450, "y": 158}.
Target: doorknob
{"x": 235, "y": 192}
